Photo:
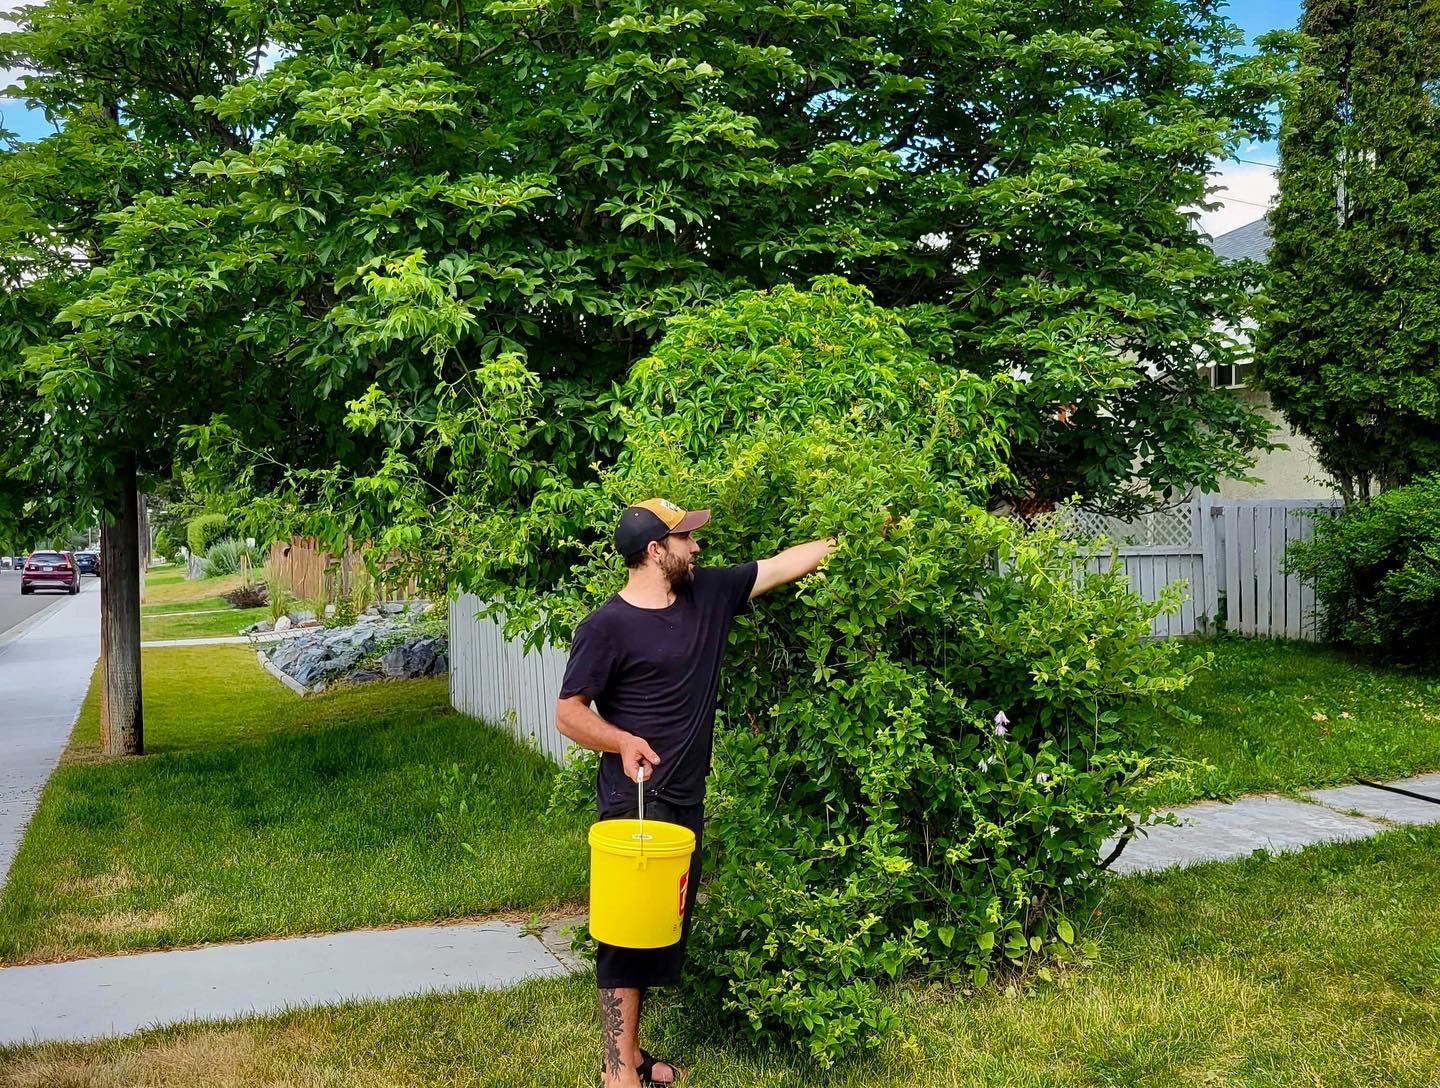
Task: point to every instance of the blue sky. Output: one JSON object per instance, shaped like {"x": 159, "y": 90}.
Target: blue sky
{"x": 1248, "y": 185}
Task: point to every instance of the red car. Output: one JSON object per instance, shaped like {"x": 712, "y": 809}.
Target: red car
{"x": 53, "y": 570}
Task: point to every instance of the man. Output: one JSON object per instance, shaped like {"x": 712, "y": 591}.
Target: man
{"x": 641, "y": 688}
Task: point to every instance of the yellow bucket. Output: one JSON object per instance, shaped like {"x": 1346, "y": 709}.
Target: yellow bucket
{"x": 639, "y": 871}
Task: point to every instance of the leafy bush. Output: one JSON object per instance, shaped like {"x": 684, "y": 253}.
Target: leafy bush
{"x": 224, "y": 557}
{"x": 204, "y": 530}
{"x": 922, "y": 747}
{"x": 164, "y": 546}
{"x": 1376, "y": 573}
{"x": 250, "y": 595}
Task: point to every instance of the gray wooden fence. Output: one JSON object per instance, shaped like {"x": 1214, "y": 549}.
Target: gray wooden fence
{"x": 1231, "y": 562}
{"x": 495, "y": 679}
{"x": 1229, "y": 554}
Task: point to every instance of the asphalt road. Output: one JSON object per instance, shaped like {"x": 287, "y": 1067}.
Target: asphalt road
{"x": 16, "y": 609}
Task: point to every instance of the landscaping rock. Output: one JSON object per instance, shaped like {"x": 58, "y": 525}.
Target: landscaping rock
{"x": 304, "y": 615}
{"x": 315, "y": 657}
{"x": 283, "y": 623}
{"x": 415, "y": 657}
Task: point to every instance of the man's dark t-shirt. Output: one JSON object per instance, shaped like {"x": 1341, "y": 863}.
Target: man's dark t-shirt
{"x": 655, "y": 672}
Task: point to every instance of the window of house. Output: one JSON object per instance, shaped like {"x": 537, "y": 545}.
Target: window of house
{"x": 1231, "y": 375}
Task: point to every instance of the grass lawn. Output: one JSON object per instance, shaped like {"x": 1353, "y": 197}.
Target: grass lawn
{"x": 1313, "y": 969}
{"x": 258, "y": 813}
{"x": 169, "y": 586}
{"x": 1283, "y": 716}
{"x": 207, "y": 624}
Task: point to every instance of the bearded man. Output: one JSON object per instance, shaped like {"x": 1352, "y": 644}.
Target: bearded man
{"x": 640, "y": 688}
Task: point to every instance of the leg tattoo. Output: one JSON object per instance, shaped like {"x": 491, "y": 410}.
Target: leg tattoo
{"x": 610, "y": 1029}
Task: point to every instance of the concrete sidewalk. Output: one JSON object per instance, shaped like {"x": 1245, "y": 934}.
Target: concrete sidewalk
{"x": 1215, "y": 831}
{"x": 119, "y": 995}
{"x": 44, "y": 675}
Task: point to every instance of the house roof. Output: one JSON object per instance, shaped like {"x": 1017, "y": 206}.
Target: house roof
{"x": 1250, "y": 241}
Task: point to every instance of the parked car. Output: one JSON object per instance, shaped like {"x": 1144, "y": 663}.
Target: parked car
{"x": 88, "y": 562}
{"x": 53, "y": 570}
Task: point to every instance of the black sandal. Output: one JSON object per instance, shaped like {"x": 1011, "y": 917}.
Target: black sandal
{"x": 647, "y": 1067}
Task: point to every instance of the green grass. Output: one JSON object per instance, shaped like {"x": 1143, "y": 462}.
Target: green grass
{"x": 169, "y": 586}
{"x": 1320, "y": 968}
{"x": 1285, "y": 716}
{"x": 257, "y": 813}
{"x": 183, "y": 606}
{"x": 209, "y": 625}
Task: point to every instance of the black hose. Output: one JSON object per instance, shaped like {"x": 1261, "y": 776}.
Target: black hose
{"x": 1397, "y": 789}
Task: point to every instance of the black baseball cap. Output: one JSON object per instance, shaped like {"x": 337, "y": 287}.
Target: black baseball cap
{"x": 654, "y": 519}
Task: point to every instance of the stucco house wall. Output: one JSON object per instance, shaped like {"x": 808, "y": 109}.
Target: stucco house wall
{"x": 1294, "y": 472}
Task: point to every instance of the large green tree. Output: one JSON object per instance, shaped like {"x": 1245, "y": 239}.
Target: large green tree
{"x": 1349, "y": 344}
{"x": 418, "y": 189}
{"x": 87, "y": 417}
{"x": 439, "y": 180}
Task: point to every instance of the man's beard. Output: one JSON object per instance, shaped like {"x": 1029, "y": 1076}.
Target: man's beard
{"x": 678, "y": 572}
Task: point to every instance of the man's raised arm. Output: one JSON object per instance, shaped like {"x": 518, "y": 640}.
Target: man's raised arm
{"x": 790, "y": 564}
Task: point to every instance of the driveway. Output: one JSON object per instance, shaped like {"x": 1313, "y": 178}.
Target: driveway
{"x": 46, "y": 660}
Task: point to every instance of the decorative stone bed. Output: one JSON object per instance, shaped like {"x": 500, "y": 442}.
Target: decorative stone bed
{"x": 380, "y": 645}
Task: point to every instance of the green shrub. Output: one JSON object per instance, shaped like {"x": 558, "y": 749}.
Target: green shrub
{"x": 224, "y": 557}
{"x": 204, "y": 530}
{"x": 164, "y": 546}
{"x": 920, "y": 748}
{"x": 1376, "y": 573}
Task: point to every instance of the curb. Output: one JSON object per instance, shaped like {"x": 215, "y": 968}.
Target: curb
{"x": 285, "y": 678}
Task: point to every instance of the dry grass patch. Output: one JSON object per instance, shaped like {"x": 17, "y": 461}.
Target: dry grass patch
{"x": 213, "y": 1058}
{"x": 109, "y": 883}
{"x": 167, "y": 591}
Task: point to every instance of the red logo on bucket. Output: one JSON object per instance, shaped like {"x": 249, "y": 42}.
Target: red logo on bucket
{"x": 684, "y": 883}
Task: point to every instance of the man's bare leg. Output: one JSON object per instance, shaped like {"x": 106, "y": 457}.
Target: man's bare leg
{"x": 620, "y": 1040}
{"x": 620, "y": 1037}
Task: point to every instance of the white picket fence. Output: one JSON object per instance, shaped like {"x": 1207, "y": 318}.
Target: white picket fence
{"x": 1227, "y": 552}
{"x": 1223, "y": 550}
{"x": 496, "y": 680}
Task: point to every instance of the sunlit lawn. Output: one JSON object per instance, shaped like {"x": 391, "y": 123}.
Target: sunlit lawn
{"x": 1321, "y": 968}
{"x": 1283, "y": 716}
{"x": 256, "y": 813}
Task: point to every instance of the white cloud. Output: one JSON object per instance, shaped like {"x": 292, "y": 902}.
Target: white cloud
{"x": 1244, "y": 191}
{"x": 9, "y": 75}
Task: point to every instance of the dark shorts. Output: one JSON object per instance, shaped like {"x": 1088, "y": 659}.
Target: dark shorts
{"x": 642, "y": 968}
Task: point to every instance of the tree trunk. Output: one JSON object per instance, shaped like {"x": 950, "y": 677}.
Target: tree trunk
{"x": 121, "y": 720}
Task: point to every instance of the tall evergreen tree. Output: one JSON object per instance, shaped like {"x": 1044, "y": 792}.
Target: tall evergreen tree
{"x": 1349, "y": 344}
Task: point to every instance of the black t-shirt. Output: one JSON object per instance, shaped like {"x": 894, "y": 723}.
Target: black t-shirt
{"x": 655, "y": 672}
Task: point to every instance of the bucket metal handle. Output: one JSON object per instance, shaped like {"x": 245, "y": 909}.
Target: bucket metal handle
{"x": 640, "y": 792}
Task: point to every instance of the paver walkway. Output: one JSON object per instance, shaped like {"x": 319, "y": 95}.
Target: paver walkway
{"x": 117, "y": 995}
{"x": 1215, "y": 831}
